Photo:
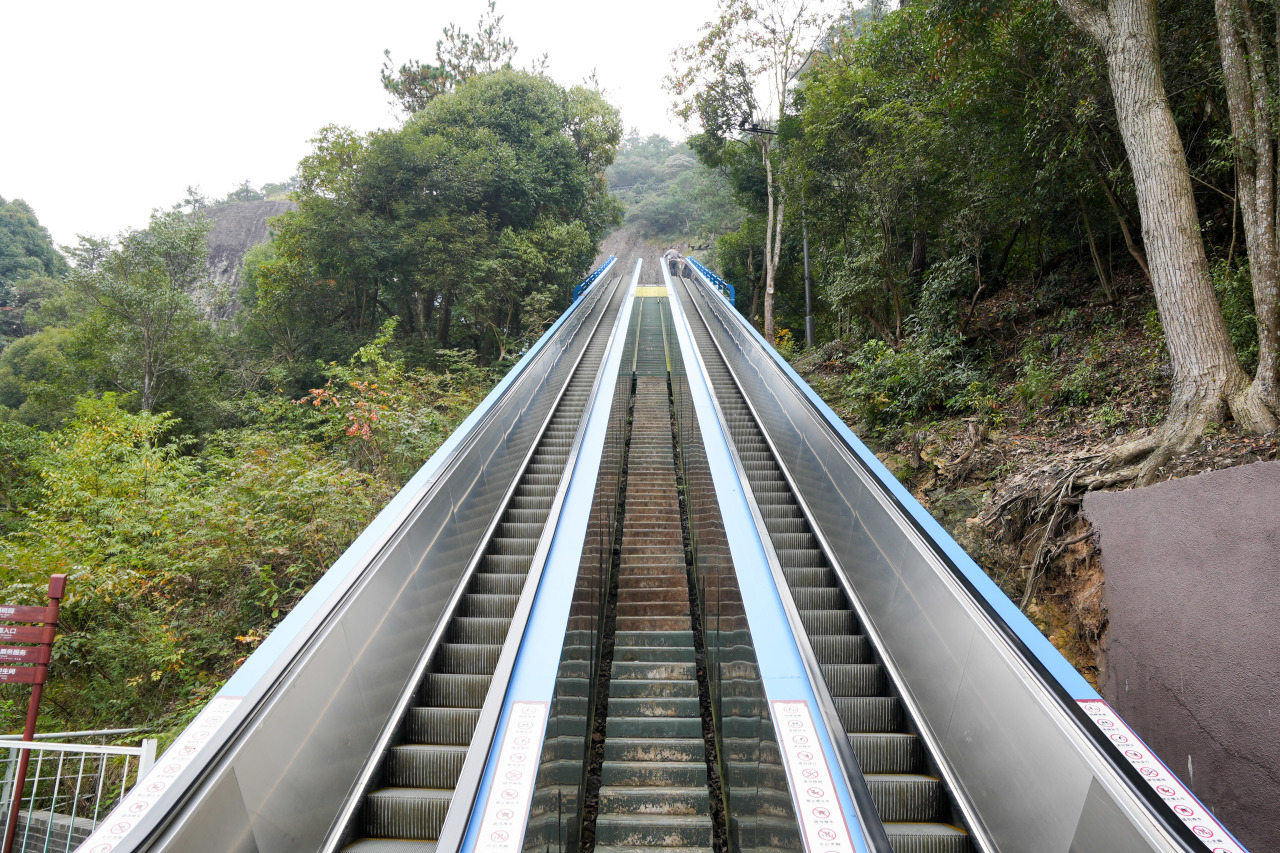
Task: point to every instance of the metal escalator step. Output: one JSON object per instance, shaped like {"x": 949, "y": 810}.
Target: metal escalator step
{"x": 855, "y": 679}
{"x": 491, "y": 583}
{"x": 818, "y": 622}
{"x": 798, "y": 577}
{"x": 906, "y": 797}
{"x": 411, "y": 813}
{"x": 664, "y": 706}
{"x": 655, "y": 749}
{"x": 666, "y": 848}
{"x": 525, "y": 516}
{"x": 869, "y": 713}
{"x": 653, "y": 727}
{"x": 476, "y": 629}
{"x": 926, "y": 838}
{"x": 424, "y": 766}
{"x": 455, "y": 690}
{"x": 852, "y": 648}
{"x": 612, "y": 848}
{"x": 509, "y": 530}
{"x": 887, "y": 752}
{"x": 506, "y": 564}
{"x": 512, "y": 547}
{"x": 390, "y": 845}
{"x": 778, "y": 526}
{"x": 538, "y": 502}
{"x": 801, "y": 557}
{"x": 633, "y": 688}
{"x": 819, "y": 598}
{"x": 445, "y": 726}
{"x": 473, "y": 658}
{"x": 490, "y": 605}
{"x": 794, "y": 541}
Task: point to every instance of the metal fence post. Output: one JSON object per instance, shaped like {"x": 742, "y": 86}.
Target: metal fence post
{"x": 147, "y": 758}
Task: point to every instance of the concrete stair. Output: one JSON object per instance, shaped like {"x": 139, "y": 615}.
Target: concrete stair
{"x": 654, "y": 778}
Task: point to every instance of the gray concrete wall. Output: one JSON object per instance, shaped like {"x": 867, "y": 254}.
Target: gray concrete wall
{"x": 1192, "y": 648}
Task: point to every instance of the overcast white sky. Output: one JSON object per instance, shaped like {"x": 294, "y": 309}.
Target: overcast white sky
{"x": 109, "y": 109}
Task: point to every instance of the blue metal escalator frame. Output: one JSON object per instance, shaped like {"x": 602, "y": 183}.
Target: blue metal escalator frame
{"x": 1057, "y": 675}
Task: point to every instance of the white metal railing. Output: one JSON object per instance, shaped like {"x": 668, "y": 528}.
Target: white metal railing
{"x": 70, "y": 787}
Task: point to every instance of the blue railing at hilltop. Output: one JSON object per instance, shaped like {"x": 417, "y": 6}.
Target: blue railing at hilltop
{"x": 590, "y": 280}
{"x": 716, "y": 281}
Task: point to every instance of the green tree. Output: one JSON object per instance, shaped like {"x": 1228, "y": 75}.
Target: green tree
{"x": 143, "y": 326}
{"x": 27, "y": 258}
{"x": 488, "y": 194}
{"x": 459, "y": 56}
{"x": 740, "y": 77}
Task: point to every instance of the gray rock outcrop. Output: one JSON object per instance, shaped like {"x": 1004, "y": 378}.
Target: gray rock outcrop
{"x": 237, "y": 228}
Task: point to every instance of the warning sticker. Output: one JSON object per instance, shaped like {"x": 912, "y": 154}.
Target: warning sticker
{"x": 506, "y": 812}
{"x": 161, "y": 776}
{"x": 813, "y": 790}
{"x": 1173, "y": 792}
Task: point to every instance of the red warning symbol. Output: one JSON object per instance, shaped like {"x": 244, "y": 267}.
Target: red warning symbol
{"x": 821, "y": 813}
{"x": 1202, "y": 831}
{"x": 827, "y": 834}
{"x": 499, "y": 836}
{"x": 816, "y": 793}
{"x": 505, "y": 814}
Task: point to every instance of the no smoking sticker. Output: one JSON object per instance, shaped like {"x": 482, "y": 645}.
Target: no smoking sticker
{"x": 822, "y": 819}
{"x": 1180, "y": 800}
{"x": 506, "y": 813}
{"x": 150, "y": 788}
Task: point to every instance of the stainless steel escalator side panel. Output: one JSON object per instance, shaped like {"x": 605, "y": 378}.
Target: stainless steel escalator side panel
{"x": 315, "y": 697}
{"x": 1010, "y": 739}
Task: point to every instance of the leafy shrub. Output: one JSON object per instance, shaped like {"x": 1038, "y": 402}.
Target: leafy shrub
{"x": 1234, "y": 287}
{"x": 923, "y": 376}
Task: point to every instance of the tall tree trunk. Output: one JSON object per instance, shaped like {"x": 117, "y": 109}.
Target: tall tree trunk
{"x": 919, "y": 253}
{"x": 445, "y": 318}
{"x": 1206, "y": 371}
{"x": 1249, "y": 94}
{"x": 768, "y": 240}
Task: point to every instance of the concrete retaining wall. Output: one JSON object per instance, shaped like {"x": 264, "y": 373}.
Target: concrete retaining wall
{"x": 1192, "y": 649}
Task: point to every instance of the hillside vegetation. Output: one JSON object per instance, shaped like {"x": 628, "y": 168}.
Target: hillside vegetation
{"x": 194, "y": 473}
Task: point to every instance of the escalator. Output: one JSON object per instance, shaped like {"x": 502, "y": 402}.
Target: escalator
{"x": 918, "y": 812}
{"x": 419, "y": 773}
{"x": 648, "y": 548}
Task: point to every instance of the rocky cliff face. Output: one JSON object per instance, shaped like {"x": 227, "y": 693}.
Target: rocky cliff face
{"x": 237, "y": 228}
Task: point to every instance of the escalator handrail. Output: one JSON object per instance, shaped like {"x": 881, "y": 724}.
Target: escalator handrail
{"x": 1057, "y": 676}
{"x": 339, "y": 833}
